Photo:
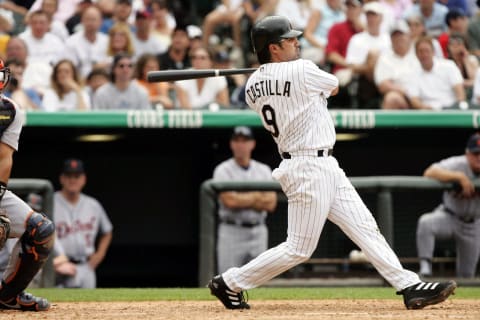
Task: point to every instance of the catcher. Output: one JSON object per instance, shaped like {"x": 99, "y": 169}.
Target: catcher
{"x": 35, "y": 232}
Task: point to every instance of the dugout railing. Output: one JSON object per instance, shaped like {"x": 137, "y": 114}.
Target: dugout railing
{"x": 44, "y": 188}
{"x": 383, "y": 186}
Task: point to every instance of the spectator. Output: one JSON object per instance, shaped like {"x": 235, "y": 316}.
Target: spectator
{"x": 474, "y": 32}
{"x": 73, "y": 24}
{"x": 158, "y": 92}
{"x": 467, "y": 63}
{"x": 458, "y": 216}
{"x": 393, "y": 68}
{"x": 121, "y": 12}
{"x": 66, "y": 92}
{"x": 433, "y": 15}
{"x": 339, "y": 36}
{"x": 316, "y": 30}
{"x": 235, "y": 82}
{"x": 37, "y": 73}
{"x": 201, "y": 93}
{"x": 95, "y": 79}
{"x": 66, "y": 8}
{"x": 362, "y": 54}
{"x": 229, "y": 13}
{"x": 121, "y": 92}
{"x": 28, "y": 99}
{"x": 88, "y": 46}
{"x": 42, "y": 45}
{"x": 143, "y": 40}
{"x": 397, "y": 7}
{"x": 242, "y": 214}
{"x": 119, "y": 42}
{"x": 457, "y": 22}
{"x": 456, "y": 4}
{"x": 80, "y": 222}
{"x": 176, "y": 56}
{"x": 57, "y": 27}
{"x": 163, "y": 22}
{"x": 298, "y": 11}
{"x": 438, "y": 84}
{"x": 417, "y": 31}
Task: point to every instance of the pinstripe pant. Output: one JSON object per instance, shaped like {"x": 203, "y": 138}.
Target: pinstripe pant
{"x": 318, "y": 189}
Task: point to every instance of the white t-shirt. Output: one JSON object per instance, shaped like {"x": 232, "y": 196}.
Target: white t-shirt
{"x": 86, "y": 54}
{"x": 435, "y": 87}
{"x": 208, "y": 94}
{"x": 48, "y": 49}
{"x": 52, "y": 102}
{"x": 391, "y": 66}
{"x": 361, "y": 43}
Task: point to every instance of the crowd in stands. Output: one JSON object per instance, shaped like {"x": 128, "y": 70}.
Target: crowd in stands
{"x": 95, "y": 54}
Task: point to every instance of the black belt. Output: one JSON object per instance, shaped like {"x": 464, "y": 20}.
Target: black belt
{"x": 76, "y": 261}
{"x": 463, "y": 219}
{"x": 242, "y": 224}
{"x": 320, "y": 153}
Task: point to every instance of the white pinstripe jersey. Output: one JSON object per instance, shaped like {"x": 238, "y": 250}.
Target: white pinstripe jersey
{"x": 291, "y": 98}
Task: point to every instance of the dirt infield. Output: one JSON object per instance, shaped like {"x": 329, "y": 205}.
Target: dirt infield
{"x": 261, "y": 310}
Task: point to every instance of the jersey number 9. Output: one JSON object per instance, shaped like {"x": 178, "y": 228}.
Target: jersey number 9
{"x": 269, "y": 117}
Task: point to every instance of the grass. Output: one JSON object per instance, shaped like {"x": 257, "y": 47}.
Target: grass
{"x": 185, "y": 294}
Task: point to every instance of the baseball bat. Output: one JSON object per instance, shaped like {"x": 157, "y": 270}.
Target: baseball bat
{"x": 174, "y": 75}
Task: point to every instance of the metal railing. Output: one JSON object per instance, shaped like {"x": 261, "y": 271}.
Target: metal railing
{"x": 382, "y": 185}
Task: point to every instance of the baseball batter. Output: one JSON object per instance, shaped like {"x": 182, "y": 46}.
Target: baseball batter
{"x": 290, "y": 94}
{"x": 34, "y": 231}
{"x": 78, "y": 220}
{"x": 458, "y": 217}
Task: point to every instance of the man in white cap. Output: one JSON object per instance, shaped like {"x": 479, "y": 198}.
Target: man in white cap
{"x": 363, "y": 51}
{"x": 393, "y": 68}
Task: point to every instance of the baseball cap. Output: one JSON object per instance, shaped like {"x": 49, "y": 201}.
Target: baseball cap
{"x": 374, "y": 7}
{"x": 242, "y": 131}
{"x": 194, "y": 31}
{"x": 473, "y": 144}
{"x": 400, "y": 26}
{"x": 143, "y": 14}
{"x": 73, "y": 166}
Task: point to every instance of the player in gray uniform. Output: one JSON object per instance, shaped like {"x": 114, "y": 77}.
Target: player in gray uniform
{"x": 290, "y": 94}
{"x": 458, "y": 217}
{"x": 35, "y": 232}
{"x": 242, "y": 233}
{"x": 79, "y": 220}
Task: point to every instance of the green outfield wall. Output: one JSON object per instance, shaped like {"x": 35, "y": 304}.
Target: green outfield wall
{"x": 343, "y": 119}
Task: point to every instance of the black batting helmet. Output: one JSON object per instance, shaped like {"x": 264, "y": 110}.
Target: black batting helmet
{"x": 270, "y": 30}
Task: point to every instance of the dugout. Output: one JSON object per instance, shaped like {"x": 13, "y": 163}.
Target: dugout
{"x": 149, "y": 173}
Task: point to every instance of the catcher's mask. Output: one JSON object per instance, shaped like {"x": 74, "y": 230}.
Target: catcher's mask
{"x": 4, "y": 75}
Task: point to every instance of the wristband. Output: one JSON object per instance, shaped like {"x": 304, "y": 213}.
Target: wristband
{"x": 3, "y": 189}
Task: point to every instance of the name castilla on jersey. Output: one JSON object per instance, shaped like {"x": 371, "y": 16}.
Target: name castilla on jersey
{"x": 268, "y": 88}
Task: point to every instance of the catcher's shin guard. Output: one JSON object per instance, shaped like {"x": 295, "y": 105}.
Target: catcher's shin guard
{"x": 36, "y": 244}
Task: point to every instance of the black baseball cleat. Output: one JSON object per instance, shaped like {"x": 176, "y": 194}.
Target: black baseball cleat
{"x": 424, "y": 294}
{"x": 229, "y": 298}
{"x": 26, "y": 302}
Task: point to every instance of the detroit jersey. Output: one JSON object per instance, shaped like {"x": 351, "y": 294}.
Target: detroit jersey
{"x": 296, "y": 113}
{"x": 78, "y": 225}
